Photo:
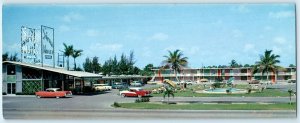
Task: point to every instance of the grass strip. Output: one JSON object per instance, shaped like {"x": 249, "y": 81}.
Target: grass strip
{"x": 281, "y": 106}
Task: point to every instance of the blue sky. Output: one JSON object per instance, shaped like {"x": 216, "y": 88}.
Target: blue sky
{"x": 208, "y": 34}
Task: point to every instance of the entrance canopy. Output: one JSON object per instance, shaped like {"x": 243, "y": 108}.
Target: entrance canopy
{"x": 57, "y": 70}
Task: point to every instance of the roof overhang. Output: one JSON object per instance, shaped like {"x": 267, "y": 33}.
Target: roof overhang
{"x": 56, "y": 70}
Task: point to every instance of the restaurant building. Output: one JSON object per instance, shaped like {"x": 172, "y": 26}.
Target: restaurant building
{"x": 24, "y": 78}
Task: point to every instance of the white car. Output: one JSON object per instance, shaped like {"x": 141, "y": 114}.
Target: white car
{"x": 189, "y": 82}
{"x": 102, "y": 87}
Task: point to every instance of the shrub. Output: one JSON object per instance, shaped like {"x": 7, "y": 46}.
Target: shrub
{"x": 144, "y": 99}
{"x": 219, "y": 79}
{"x": 217, "y": 84}
{"x": 248, "y": 90}
{"x": 116, "y": 104}
{"x": 19, "y": 93}
{"x": 227, "y": 91}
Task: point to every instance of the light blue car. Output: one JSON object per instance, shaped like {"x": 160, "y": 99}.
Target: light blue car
{"x": 136, "y": 84}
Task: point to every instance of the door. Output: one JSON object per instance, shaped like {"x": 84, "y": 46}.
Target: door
{"x": 11, "y": 88}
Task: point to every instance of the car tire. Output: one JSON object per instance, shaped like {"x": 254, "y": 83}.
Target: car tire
{"x": 37, "y": 96}
{"x": 123, "y": 95}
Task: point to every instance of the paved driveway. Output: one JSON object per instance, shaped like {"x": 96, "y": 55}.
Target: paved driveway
{"x": 100, "y": 101}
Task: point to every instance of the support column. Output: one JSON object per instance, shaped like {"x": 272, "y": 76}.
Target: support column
{"x": 74, "y": 82}
{"x": 63, "y": 83}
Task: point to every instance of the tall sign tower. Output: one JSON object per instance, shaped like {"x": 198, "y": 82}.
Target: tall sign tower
{"x": 47, "y": 45}
{"x": 37, "y": 45}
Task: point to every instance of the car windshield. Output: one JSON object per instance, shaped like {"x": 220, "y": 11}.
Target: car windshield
{"x": 137, "y": 89}
{"x": 52, "y": 89}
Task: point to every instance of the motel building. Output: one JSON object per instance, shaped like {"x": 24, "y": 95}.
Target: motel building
{"x": 243, "y": 74}
{"x": 25, "y": 78}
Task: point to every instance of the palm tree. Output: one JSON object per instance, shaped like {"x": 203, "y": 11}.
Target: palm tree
{"x": 5, "y": 57}
{"x": 75, "y": 54}
{"x": 267, "y": 63}
{"x": 233, "y": 64}
{"x": 175, "y": 61}
{"x": 68, "y": 51}
{"x": 169, "y": 91}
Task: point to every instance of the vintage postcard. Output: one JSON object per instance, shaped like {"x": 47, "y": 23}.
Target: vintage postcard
{"x": 149, "y": 61}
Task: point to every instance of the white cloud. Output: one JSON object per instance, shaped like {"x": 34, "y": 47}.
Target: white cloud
{"x": 106, "y": 47}
{"x": 159, "y": 37}
{"x": 194, "y": 50}
{"x": 92, "y": 33}
{"x": 248, "y": 47}
{"x": 72, "y": 17}
{"x": 279, "y": 40}
{"x": 64, "y": 28}
{"x": 282, "y": 14}
{"x": 277, "y": 50}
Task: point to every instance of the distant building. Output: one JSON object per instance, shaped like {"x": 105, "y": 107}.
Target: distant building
{"x": 211, "y": 74}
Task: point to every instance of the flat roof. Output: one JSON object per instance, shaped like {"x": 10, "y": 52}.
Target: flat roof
{"x": 123, "y": 77}
{"x": 57, "y": 70}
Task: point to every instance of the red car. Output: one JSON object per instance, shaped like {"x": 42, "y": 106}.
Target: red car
{"x": 135, "y": 92}
{"x": 53, "y": 92}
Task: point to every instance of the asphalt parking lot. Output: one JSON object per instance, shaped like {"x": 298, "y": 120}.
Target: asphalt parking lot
{"x": 98, "y": 101}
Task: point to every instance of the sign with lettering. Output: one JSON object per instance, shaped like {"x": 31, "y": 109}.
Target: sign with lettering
{"x": 47, "y": 38}
{"x": 30, "y": 46}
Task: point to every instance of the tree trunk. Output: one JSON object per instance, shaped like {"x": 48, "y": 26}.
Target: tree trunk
{"x": 176, "y": 75}
{"x": 290, "y": 98}
{"x": 168, "y": 99}
{"x": 68, "y": 63}
{"x": 74, "y": 64}
{"x": 267, "y": 75}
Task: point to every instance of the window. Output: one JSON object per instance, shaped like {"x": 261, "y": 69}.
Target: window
{"x": 11, "y": 70}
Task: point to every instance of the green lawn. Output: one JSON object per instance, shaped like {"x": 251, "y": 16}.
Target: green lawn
{"x": 189, "y": 93}
{"x": 283, "y": 106}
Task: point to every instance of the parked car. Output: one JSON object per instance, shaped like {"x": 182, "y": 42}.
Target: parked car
{"x": 254, "y": 81}
{"x": 136, "y": 84}
{"x": 135, "y": 92}
{"x": 53, "y": 92}
{"x": 102, "y": 87}
{"x": 292, "y": 81}
{"x": 188, "y": 82}
{"x": 176, "y": 82}
{"x": 119, "y": 85}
